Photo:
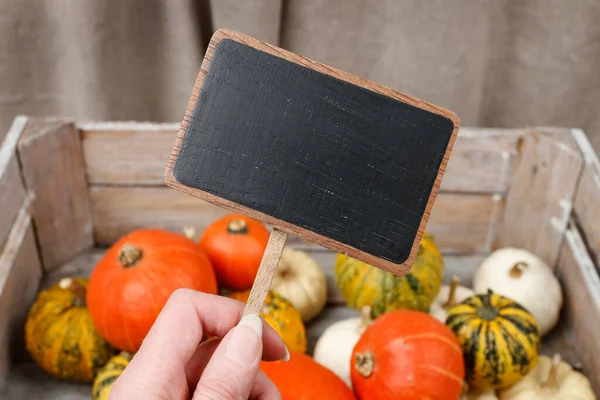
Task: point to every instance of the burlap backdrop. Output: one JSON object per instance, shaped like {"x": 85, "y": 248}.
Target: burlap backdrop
{"x": 507, "y": 63}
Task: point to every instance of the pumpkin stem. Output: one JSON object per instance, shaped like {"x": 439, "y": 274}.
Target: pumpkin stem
{"x": 365, "y": 363}
{"x": 551, "y": 383}
{"x": 487, "y": 312}
{"x": 517, "y": 270}
{"x": 129, "y": 255}
{"x": 452, "y": 294}
{"x": 77, "y": 289}
{"x": 237, "y": 226}
{"x": 365, "y": 320}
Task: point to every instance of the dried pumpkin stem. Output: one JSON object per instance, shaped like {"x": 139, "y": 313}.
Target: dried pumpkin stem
{"x": 487, "y": 311}
{"x": 365, "y": 363}
{"x": 365, "y": 320}
{"x": 129, "y": 255}
{"x": 452, "y": 294}
{"x": 237, "y": 226}
{"x": 551, "y": 383}
{"x": 517, "y": 270}
{"x": 77, "y": 289}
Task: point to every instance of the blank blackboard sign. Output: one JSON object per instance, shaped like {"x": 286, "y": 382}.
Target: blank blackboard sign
{"x": 312, "y": 151}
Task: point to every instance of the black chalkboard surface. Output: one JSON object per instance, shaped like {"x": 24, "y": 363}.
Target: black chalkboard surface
{"x": 312, "y": 151}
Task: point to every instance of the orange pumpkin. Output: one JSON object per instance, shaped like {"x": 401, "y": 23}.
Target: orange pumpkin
{"x": 302, "y": 378}
{"x": 132, "y": 282}
{"x": 406, "y": 355}
{"x": 235, "y": 245}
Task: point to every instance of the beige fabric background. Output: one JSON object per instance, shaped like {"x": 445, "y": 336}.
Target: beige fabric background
{"x": 506, "y": 63}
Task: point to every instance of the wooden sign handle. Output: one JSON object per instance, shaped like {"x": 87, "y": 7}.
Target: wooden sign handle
{"x": 266, "y": 271}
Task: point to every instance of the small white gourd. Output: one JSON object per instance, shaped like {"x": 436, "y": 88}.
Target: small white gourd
{"x": 550, "y": 379}
{"x": 300, "y": 279}
{"x": 447, "y": 297}
{"x": 334, "y": 348}
{"x": 525, "y": 278}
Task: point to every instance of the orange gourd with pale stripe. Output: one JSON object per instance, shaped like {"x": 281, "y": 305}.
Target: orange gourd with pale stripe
{"x": 407, "y": 355}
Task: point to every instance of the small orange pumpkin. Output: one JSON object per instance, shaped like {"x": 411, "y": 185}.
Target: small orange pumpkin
{"x": 235, "y": 245}
{"x": 406, "y": 355}
{"x": 302, "y": 378}
{"x": 132, "y": 282}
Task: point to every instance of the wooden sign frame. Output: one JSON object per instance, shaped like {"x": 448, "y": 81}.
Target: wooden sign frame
{"x": 171, "y": 181}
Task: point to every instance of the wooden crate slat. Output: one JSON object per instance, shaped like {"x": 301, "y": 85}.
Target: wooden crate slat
{"x": 20, "y": 277}
{"x": 581, "y": 311}
{"x": 126, "y": 154}
{"x": 129, "y": 155}
{"x": 12, "y": 191}
{"x": 539, "y": 201}
{"x": 461, "y": 223}
{"x": 53, "y": 168}
{"x": 588, "y": 195}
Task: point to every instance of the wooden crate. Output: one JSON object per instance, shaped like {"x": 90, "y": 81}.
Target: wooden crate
{"x": 68, "y": 190}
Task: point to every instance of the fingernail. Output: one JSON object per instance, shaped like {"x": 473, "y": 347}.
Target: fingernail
{"x": 287, "y": 355}
{"x": 245, "y": 341}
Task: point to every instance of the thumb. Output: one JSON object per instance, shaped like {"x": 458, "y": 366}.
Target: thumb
{"x": 232, "y": 370}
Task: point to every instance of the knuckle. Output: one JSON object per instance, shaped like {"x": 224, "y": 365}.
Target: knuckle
{"x": 181, "y": 295}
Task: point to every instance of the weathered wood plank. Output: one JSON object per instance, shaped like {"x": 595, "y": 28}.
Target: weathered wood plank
{"x": 12, "y": 191}
{"x": 20, "y": 277}
{"x": 137, "y": 154}
{"x": 461, "y": 223}
{"x": 127, "y": 154}
{"x": 52, "y": 165}
{"x": 581, "y": 310}
{"x": 539, "y": 201}
{"x": 586, "y": 207}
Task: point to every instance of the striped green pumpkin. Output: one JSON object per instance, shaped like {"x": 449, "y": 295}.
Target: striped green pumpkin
{"x": 108, "y": 375}
{"x": 499, "y": 338}
{"x": 361, "y": 284}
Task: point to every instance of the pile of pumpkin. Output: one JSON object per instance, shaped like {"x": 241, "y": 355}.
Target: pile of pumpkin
{"x": 415, "y": 338}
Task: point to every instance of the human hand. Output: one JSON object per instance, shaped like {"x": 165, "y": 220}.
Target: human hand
{"x": 172, "y": 363}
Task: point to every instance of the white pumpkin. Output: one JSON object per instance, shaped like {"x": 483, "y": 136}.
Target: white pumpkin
{"x": 550, "y": 379}
{"x": 448, "y": 296}
{"x": 524, "y": 278}
{"x": 300, "y": 279}
{"x": 334, "y": 348}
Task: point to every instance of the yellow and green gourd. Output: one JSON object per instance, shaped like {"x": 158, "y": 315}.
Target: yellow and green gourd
{"x": 364, "y": 285}
{"x": 108, "y": 375}
{"x": 282, "y": 316}
{"x": 499, "y": 338}
{"x": 60, "y": 335}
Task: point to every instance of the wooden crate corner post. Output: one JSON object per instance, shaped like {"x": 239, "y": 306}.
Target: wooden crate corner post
{"x": 540, "y": 199}
{"x": 53, "y": 169}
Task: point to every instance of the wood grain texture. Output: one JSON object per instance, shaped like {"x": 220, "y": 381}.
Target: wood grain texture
{"x": 12, "y": 191}
{"x": 586, "y": 208}
{"x": 581, "y": 311}
{"x": 53, "y": 169}
{"x": 266, "y": 271}
{"x": 135, "y": 155}
{"x": 540, "y": 199}
{"x": 399, "y": 268}
{"x": 127, "y": 154}
{"x": 461, "y": 223}
{"x": 20, "y": 277}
